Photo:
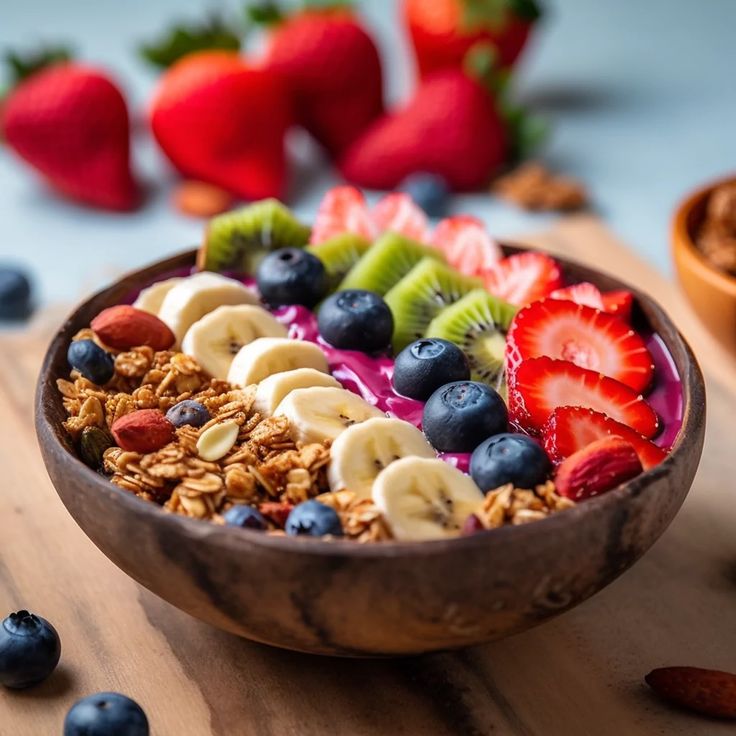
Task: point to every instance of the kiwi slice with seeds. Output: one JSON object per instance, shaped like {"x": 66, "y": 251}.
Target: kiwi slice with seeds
{"x": 419, "y": 297}
{"x": 339, "y": 255}
{"x": 238, "y": 240}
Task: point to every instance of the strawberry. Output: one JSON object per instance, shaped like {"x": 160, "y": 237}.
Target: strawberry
{"x": 342, "y": 210}
{"x": 466, "y": 244}
{"x": 539, "y": 385}
{"x": 450, "y": 127}
{"x": 597, "y": 468}
{"x": 332, "y": 67}
{"x": 585, "y": 336}
{"x": 223, "y": 122}
{"x": 398, "y": 213}
{"x": 710, "y": 692}
{"x": 70, "y": 122}
{"x": 523, "y": 277}
{"x": 619, "y": 303}
{"x": 571, "y": 428}
{"x": 582, "y": 293}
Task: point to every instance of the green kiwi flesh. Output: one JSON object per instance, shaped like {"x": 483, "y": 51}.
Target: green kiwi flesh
{"x": 339, "y": 255}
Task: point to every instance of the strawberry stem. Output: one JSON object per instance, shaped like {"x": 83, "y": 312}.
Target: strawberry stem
{"x": 494, "y": 14}
{"x": 23, "y": 65}
{"x": 264, "y": 13}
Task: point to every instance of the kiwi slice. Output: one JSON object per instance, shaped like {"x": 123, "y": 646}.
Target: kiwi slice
{"x": 477, "y": 324}
{"x": 339, "y": 255}
{"x": 417, "y": 299}
{"x": 389, "y": 259}
{"x": 238, "y": 240}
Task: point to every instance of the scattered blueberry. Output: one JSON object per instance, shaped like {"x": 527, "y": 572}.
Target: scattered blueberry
{"x": 291, "y": 276}
{"x": 106, "y": 714}
{"x": 429, "y": 191}
{"x": 313, "y": 519}
{"x": 15, "y": 294}
{"x": 459, "y": 416}
{"x": 245, "y": 516}
{"x": 509, "y": 458}
{"x": 188, "y": 412}
{"x": 425, "y": 365}
{"x": 355, "y": 319}
{"x": 91, "y": 361}
{"x": 29, "y": 650}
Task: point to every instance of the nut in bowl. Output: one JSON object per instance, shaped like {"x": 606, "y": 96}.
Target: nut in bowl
{"x": 296, "y": 494}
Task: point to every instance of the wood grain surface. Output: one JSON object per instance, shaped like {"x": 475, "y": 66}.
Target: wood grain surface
{"x": 580, "y": 675}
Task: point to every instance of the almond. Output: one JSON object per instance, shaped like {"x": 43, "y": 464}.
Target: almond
{"x": 199, "y": 199}
{"x": 143, "y": 431}
{"x": 710, "y": 692}
{"x": 124, "y": 327}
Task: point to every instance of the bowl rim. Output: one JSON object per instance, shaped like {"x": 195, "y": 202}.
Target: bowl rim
{"x": 50, "y": 439}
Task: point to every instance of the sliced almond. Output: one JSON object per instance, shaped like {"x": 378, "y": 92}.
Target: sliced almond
{"x": 215, "y": 442}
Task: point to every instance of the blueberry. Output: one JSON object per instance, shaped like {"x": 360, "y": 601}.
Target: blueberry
{"x": 291, "y": 276}
{"x": 355, "y": 319}
{"x": 509, "y": 458}
{"x": 15, "y": 294}
{"x": 106, "y": 714}
{"x": 188, "y": 412}
{"x": 29, "y": 650}
{"x": 459, "y": 416}
{"x": 313, "y": 519}
{"x": 91, "y": 361}
{"x": 246, "y": 517}
{"x": 429, "y": 191}
{"x": 425, "y": 365}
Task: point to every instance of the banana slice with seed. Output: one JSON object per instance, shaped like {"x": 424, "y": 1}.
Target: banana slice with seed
{"x": 320, "y": 414}
{"x": 217, "y": 338}
{"x": 268, "y": 355}
{"x": 192, "y": 298}
{"x": 362, "y": 451}
{"x": 425, "y": 499}
{"x": 151, "y": 298}
{"x": 274, "y": 389}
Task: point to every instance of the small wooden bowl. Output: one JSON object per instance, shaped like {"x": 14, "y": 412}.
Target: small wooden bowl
{"x": 394, "y": 598}
{"x": 711, "y": 292}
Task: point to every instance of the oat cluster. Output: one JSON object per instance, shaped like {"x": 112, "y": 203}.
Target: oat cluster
{"x": 533, "y": 187}
{"x": 509, "y": 505}
{"x": 717, "y": 235}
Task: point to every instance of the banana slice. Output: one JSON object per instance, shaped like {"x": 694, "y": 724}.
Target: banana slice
{"x": 320, "y": 414}
{"x": 425, "y": 499}
{"x": 272, "y": 390}
{"x": 268, "y": 355}
{"x": 151, "y": 298}
{"x": 362, "y": 451}
{"x": 216, "y": 339}
{"x": 192, "y": 298}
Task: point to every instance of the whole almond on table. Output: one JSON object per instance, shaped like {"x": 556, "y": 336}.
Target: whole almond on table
{"x": 124, "y": 327}
{"x": 143, "y": 431}
{"x": 199, "y": 199}
{"x": 710, "y": 692}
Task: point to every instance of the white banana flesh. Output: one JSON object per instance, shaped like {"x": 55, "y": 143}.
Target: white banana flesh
{"x": 274, "y": 389}
{"x": 151, "y": 298}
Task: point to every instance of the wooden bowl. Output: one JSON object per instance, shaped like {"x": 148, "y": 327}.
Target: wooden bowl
{"x": 394, "y": 598}
{"x": 711, "y": 292}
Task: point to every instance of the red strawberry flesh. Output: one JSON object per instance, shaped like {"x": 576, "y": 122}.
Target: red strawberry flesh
{"x": 619, "y": 303}
{"x": 398, "y": 213}
{"x": 466, "y": 244}
{"x": 582, "y": 293}
{"x": 523, "y": 278}
{"x": 342, "y": 210}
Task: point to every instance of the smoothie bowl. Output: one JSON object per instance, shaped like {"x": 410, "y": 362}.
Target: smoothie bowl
{"x": 369, "y": 438}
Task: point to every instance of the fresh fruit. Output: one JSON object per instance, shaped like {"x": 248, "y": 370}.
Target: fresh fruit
{"x": 459, "y": 416}
{"x": 123, "y": 327}
{"x": 246, "y": 517}
{"x": 94, "y": 363}
{"x": 273, "y": 390}
{"x": 106, "y": 714}
{"x": 70, "y": 123}
{"x": 342, "y": 210}
{"x": 277, "y": 512}
{"x": 583, "y": 335}
{"x": 193, "y": 298}
{"x": 265, "y": 356}
{"x": 15, "y": 294}
{"x": 216, "y": 441}
{"x": 509, "y": 458}
{"x": 572, "y": 428}
{"x": 143, "y": 431}
{"x": 362, "y": 451}
{"x": 152, "y": 297}
{"x": 200, "y": 199}
{"x": 429, "y": 191}
{"x": 418, "y": 298}
{"x": 425, "y": 365}
{"x": 540, "y": 385}
{"x": 92, "y": 445}
{"x": 188, "y": 413}
{"x": 215, "y": 339}
{"x": 597, "y": 468}
{"x": 710, "y": 692}
{"x": 320, "y": 414}
{"x": 222, "y": 121}
{"x": 29, "y": 650}
{"x": 582, "y": 293}
{"x": 313, "y": 519}
{"x": 397, "y": 213}
{"x": 423, "y": 498}
{"x": 466, "y": 244}
{"x": 238, "y": 240}
{"x": 477, "y": 324}
{"x": 523, "y": 278}
{"x": 450, "y": 127}
{"x": 356, "y": 320}
{"x": 291, "y": 276}
{"x": 619, "y": 303}
{"x": 339, "y": 255}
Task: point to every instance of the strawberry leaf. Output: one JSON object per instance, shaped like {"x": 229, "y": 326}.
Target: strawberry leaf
{"x": 526, "y": 9}
{"x": 527, "y": 132}
{"x": 265, "y": 13}
{"x": 494, "y": 14}
{"x": 23, "y": 65}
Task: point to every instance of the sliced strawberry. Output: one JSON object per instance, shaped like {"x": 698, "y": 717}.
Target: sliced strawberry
{"x": 585, "y": 336}
{"x": 466, "y": 244}
{"x": 619, "y": 303}
{"x": 582, "y": 293}
{"x": 399, "y": 213}
{"x": 524, "y": 277}
{"x": 571, "y": 428}
{"x": 540, "y": 385}
{"x": 342, "y": 210}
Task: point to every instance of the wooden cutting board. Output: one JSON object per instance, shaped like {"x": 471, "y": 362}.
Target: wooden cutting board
{"x": 580, "y": 675}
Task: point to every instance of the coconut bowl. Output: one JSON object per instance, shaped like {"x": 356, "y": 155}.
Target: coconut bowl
{"x": 390, "y": 598}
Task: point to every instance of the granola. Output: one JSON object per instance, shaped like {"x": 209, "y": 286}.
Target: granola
{"x": 716, "y": 236}
{"x": 533, "y": 187}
